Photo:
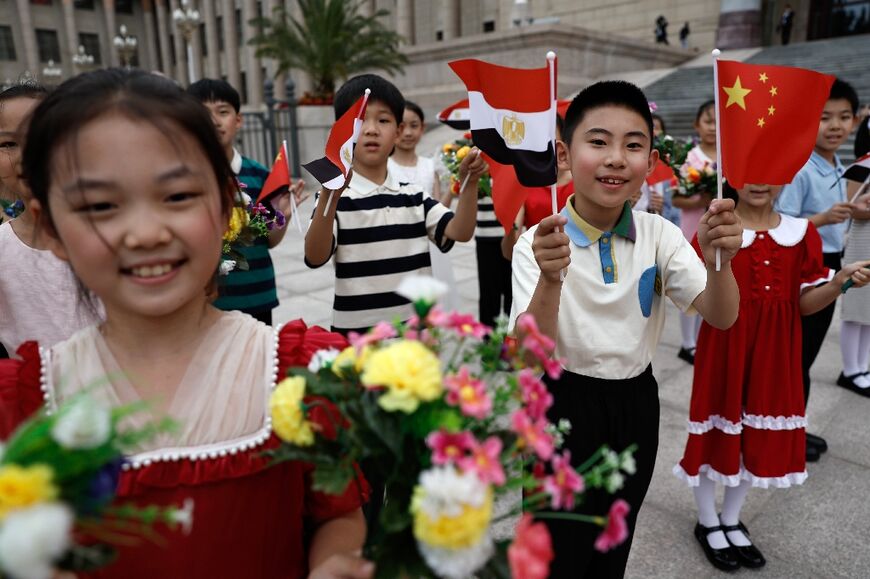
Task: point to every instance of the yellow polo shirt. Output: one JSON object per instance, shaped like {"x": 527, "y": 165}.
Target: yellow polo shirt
{"x": 611, "y": 312}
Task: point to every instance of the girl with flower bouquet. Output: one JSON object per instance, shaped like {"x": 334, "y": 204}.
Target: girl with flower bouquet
{"x": 145, "y": 236}
{"x": 696, "y": 176}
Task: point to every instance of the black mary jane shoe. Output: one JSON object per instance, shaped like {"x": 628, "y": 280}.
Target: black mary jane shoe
{"x": 848, "y": 382}
{"x": 724, "y": 559}
{"x": 749, "y": 556}
{"x": 687, "y": 355}
{"x": 820, "y": 443}
{"x": 812, "y": 453}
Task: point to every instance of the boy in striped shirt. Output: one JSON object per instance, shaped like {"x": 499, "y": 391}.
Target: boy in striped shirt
{"x": 378, "y": 228}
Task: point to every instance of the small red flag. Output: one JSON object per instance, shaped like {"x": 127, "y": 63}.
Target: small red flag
{"x": 769, "y": 118}
{"x": 278, "y": 180}
{"x": 331, "y": 170}
{"x": 661, "y": 172}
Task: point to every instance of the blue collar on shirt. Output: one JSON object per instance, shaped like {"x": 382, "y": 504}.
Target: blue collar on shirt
{"x": 823, "y": 167}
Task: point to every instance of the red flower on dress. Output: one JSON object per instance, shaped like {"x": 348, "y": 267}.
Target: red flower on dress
{"x": 530, "y": 554}
{"x": 616, "y": 530}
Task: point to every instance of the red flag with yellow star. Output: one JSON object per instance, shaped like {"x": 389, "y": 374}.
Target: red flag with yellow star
{"x": 278, "y": 180}
{"x": 769, "y": 118}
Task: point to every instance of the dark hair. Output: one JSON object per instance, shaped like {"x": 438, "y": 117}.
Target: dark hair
{"x": 383, "y": 91}
{"x": 661, "y": 121}
{"x": 135, "y": 94}
{"x": 703, "y": 108}
{"x": 30, "y": 90}
{"x": 843, "y": 90}
{"x": 560, "y": 123}
{"x": 214, "y": 90}
{"x": 862, "y": 138}
{"x": 616, "y": 93}
{"x": 414, "y": 108}
{"x": 729, "y": 192}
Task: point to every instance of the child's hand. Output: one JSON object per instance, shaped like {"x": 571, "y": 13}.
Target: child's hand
{"x": 656, "y": 202}
{"x": 282, "y": 202}
{"x": 857, "y": 272}
{"x": 343, "y": 566}
{"x": 720, "y": 228}
{"x": 472, "y": 165}
{"x": 839, "y": 213}
{"x": 551, "y": 247}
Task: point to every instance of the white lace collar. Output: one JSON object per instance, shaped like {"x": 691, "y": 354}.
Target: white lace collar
{"x": 788, "y": 233}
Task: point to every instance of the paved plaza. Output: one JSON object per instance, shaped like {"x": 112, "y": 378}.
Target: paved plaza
{"x": 818, "y": 530}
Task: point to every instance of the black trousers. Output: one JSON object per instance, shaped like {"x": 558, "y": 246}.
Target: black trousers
{"x": 617, "y": 413}
{"x": 493, "y": 280}
{"x": 814, "y": 328}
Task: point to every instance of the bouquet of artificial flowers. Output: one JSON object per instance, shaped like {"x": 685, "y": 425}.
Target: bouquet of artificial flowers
{"x": 58, "y": 476}
{"x": 248, "y": 222}
{"x": 451, "y": 156}
{"x": 454, "y": 415}
{"x": 693, "y": 177}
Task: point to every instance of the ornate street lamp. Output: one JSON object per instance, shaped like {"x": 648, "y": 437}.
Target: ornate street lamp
{"x": 51, "y": 72}
{"x": 187, "y": 20}
{"x": 126, "y": 46}
{"x": 82, "y": 59}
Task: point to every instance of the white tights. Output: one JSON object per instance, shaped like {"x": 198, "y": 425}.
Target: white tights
{"x": 705, "y": 499}
{"x": 855, "y": 347}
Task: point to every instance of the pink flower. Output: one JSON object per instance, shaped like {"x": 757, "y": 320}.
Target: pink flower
{"x": 485, "y": 460}
{"x": 438, "y": 317}
{"x": 616, "y": 530}
{"x": 466, "y": 325}
{"x": 468, "y": 393}
{"x": 533, "y": 434}
{"x": 449, "y": 446}
{"x": 540, "y": 345}
{"x": 528, "y": 326}
{"x": 536, "y": 398}
{"x": 532, "y": 550}
{"x": 382, "y": 331}
{"x": 563, "y": 483}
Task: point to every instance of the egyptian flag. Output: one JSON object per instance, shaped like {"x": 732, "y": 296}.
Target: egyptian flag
{"x": 331, "y": 170}
{"x": 456, "y": 116}
{"x": 278, "y": 180}
{"x": 513, "y": 117}
{"x": 859, "y": 170}
{"x": 768, "y": 119}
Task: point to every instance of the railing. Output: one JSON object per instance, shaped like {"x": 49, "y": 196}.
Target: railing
{"x": 262, "y": 132}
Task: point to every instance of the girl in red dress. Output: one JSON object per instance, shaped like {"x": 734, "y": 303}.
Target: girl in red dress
{"x": 134, "y": 191}
{"x": 746, "y": 419}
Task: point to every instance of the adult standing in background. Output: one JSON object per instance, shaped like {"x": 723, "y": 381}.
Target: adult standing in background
{"x": 684, "y": 36}
{"x": 785, "y": 23}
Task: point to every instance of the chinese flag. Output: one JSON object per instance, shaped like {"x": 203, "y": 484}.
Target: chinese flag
{"x": 769, "y": 118}
{"x": 278, "y": 180}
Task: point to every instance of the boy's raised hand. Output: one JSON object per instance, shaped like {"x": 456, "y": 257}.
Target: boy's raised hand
{"x": 720, "y": 228}
{"x": 552, "y": 247}
{"x": 858, "y": 272}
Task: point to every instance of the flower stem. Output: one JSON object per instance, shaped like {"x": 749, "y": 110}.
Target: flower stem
{"x": 600, "y": 521}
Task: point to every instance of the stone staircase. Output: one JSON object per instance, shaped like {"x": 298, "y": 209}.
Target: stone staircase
{"x": 679, "y": 94}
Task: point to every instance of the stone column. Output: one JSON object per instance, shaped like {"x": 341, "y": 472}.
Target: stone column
{"x": 280, "y": 80}
{"x": 303, "y": 81}
{"x": 213, "y": 58}
{"x": 231, "y": 44}
{"x": 254, "y": 74}
{"x": 451, "y": 19}
{"x": 163, "y": 35}
{"x": 180, "y": 47}
{"x": 405, "y": 20}
{"x": 31, "y": 55}
{"x": 150, "y": 38}
{"x": 72, "y": 37}
{"x": 112, "y": 28}
{"x": 739, "y": 24}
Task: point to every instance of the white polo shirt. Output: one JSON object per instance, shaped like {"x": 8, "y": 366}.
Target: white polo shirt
{"x": 611, "y": 312}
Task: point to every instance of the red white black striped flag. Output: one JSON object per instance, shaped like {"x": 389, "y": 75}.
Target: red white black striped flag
{"x": 859, "y": 170}
{"x": 456, "y": 116}
{"x": 513, "y": 116}
{"x": 331, "y": 170}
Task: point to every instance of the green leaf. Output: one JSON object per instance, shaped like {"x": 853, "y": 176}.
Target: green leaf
{"x": 332, "y": 479}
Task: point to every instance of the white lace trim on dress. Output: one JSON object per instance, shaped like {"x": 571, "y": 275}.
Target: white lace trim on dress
{"x": 819, "y": 281}
{"x": 732, "y": 480}
{"x": 715, "y": 421}
{"x": 757, "y": 421}
{"x": 789, "y": 232}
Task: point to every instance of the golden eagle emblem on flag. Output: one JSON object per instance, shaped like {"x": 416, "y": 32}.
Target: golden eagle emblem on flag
{"x": 345, "y": 153}
{"x": 513, "y": 130}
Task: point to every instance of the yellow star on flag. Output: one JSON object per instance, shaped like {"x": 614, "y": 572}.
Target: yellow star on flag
{"x": 761, "y": 122}
{"x": 736, "y": 94}
{"x": 770, "y": 110}
{"x": 762, "y": 77}
{"x": 773, "y": 91}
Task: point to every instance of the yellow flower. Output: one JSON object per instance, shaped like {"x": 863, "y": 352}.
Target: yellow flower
{"x": 409, "y": 371}
{"x": 288, "y": 416}
{"x": 461, "y": 531}
{"x": 238, "y": 220}
{"x": 348, "y": 358}
{"x": 448, "y": 147}
{"x": 23, "y": 486}
{"x": 462, "y": 152}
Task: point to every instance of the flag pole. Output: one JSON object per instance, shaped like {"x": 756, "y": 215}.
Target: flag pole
{"x": 295, "y": 216}
{"x": 356, "y": 130}
{"x": 551, "y": 64}
{"x": 716, "y": 53}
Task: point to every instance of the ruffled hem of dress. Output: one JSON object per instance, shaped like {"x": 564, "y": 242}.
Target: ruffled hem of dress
{"x": 756, "y": 421}
{"x": 732, "y": 480}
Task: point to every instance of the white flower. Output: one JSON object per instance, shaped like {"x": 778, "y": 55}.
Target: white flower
{"x": 227, "y": 265}
{"x": 627, "y": 463}
{"x": 183, "y": 517}
{"x": 84, "y": 424}
{"x": 244, "y": 198}
{"x": 611, "y": 459}
{"x": 421, "y": 288}
{"x": 614, "y": 482}
{"x": 322, "y": 359}
{"x": 458, "y": 563}
{"x": 32, "y": 539}
{"x": 445, "y": 491}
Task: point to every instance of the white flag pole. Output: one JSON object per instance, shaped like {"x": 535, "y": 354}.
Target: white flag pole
{"x": 551, "y": 64}
{"x": 716, "y": 53}
{"x": 295, "y": 208}
{"x": 356, "y": 129}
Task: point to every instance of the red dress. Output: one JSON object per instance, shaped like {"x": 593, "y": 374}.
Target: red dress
{"x": 539, "y": 203}
{"x": 248, "y": 520}
{"x": 746, "y": 419}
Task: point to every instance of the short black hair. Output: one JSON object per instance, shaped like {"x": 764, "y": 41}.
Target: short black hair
{"x": 862, "y": 138}
{"x": 843, "y": 90}
{"x": 708, "y": 104}
{"x": 414, "y": 108}
{"x": 214, "y": 90}
{"x": 661, "y": 122}
{"x": 616, "y": 93}
{"x": 383, "y": 91}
